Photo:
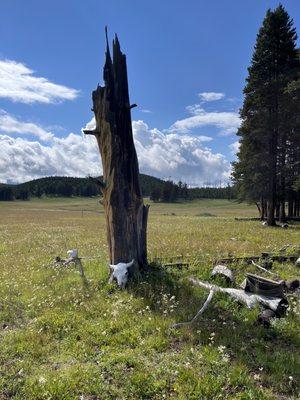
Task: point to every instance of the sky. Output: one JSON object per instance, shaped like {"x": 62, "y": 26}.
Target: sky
{"x": 187, "y": 63}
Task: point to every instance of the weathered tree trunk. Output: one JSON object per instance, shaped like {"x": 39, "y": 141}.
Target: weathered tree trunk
{"x": 277, "y": 210}
{"x": 263, "y": 208}
{"x": 296, "y": 206}
{"x": 282, "y": 214}
{"x": 290, "y": 205}
{"x": 125, "y": 213}
{"x": 273, "y": 154}
{"x": 271, "y": 212}
{"x": 259, "y": 208}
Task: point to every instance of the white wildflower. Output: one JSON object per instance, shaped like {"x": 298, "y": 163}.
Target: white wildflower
{"x": 42, "y": 380}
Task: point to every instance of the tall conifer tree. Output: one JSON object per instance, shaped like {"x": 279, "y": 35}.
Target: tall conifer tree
{"x": 260, "y": 172}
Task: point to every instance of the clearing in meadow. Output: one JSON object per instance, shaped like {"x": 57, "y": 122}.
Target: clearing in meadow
{"x": 62, "y": 338}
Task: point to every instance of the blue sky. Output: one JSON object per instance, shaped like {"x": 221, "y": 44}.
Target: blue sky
{"x": 175, "y": 50}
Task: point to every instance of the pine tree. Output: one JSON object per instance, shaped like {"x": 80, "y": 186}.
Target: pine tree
{"x": 260, "y": 172}
{"x": 292, "y": 171}
{"x": 155, "y": 194}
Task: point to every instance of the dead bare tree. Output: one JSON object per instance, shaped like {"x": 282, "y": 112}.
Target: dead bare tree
{"x": 125, "y": 212}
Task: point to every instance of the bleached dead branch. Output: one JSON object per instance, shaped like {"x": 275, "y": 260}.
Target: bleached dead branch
{"x": 201, "y": 311}
{"x": 262, "y": 268}
{"x": 249, "y": 299}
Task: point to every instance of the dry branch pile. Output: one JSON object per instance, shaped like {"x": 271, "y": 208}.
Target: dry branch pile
{"x": 255, "y": 290}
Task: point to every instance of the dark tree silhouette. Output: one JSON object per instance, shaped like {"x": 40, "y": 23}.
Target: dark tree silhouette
{"x": 270, "y": 132}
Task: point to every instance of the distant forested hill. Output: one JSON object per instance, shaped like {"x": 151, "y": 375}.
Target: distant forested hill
{"x": 155, "y": 188}
{"x": 66, "y": 187}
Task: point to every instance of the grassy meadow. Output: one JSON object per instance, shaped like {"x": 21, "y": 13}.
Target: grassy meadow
{"x": 64, "y": 338}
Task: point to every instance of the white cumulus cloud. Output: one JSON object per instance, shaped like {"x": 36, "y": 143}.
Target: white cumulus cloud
{"x": 211, "y": 96}
{"x": 22, "y": 160}
{"x": 226, "y": 121}
{"x": 90, "y": 126}
{"x": 146, "y": 111}
{"x": 234, "y": 147}
{"x": 11, "y": 125}
{"x": 18, "y": 83}
{"x": 179, "y": 156}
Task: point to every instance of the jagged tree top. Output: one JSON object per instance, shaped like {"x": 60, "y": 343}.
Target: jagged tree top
{"x": 115, "y": 74}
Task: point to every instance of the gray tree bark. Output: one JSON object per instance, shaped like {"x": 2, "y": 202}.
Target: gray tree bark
{"x": 125, "y": 212}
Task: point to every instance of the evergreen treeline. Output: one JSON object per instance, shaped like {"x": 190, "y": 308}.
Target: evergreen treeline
{"x": 156, "y": 189}
{"x": 169, "y": 192}
{"x": 65, "y": 187}
{"x": 227, "y": 192}
{"x": 268, "y": 167}
{"x": 50, "y": 186}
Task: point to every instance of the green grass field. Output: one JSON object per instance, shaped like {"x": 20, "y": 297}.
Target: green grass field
{"x": 62, "y": 338}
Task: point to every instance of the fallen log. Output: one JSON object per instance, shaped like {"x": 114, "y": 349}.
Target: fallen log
{"x": 262, "y": 286}
{"x": 248, "y": 298}
{"x": 259, "y": 219}
{"x": 262, "y": 268}
{"x": 230, "y": 260}
{"x": 201, "y": 311}
{"x": 178, "y": 265}
{"x": 247, "y": 219}
{"x": 249, "y": 259}
{"x": 277, "y": 304}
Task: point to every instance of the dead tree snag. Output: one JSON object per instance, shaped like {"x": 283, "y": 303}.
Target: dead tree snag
{"x": 125, "y": 213}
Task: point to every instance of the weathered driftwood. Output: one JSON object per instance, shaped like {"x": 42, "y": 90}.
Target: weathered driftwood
{"x": 201, "y": 311}
{"x": 295, "y": 247}
{"x": 259, "y": 285}
{"x": 247, "y": 219}
{"x": 250, "y": 299}
{"x": 262, "y": 268}
{"x": 179, "y": 258}
{"x": 249, "y": 259}
{"x": 234, "y": 259}
{"x": 222, "y": 270}
{"x": 276, "y": 304}
{"x": 125, "y": 213}
{"x": 289, "y": 218}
